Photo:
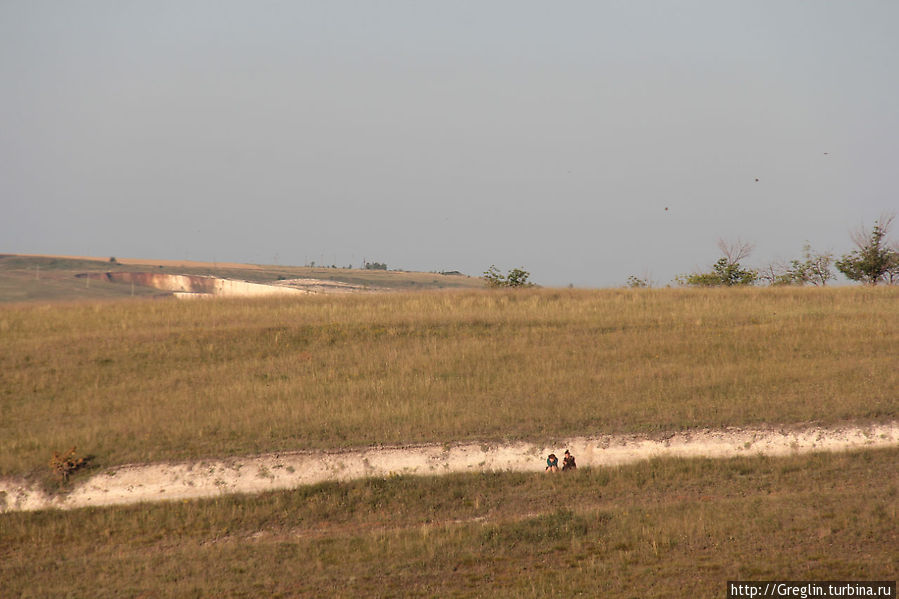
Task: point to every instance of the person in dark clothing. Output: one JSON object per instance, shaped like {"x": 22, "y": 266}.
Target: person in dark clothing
{"x": 568, "y": 462}
{"x": 552, "y": 463}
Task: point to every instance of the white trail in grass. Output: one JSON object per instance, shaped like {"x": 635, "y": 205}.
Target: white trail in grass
{"x": 210, "y": 478}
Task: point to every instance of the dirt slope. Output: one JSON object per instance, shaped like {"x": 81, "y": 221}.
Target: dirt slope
{"x": 188, "y": 480}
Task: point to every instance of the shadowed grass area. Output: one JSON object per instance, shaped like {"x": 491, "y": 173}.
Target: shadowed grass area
{"x": 664, "y": 528}
{"x": 141, "y": 381}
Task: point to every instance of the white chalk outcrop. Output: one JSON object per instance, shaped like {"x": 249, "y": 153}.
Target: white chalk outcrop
{"x": 209, "y": 478}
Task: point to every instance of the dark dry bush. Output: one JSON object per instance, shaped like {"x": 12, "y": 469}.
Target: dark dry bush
{"x": 65, "y": 464}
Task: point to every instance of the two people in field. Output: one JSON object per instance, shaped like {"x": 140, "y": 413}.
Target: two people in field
{"x": 552, "y": 462}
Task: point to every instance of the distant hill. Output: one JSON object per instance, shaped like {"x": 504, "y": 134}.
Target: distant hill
{"x": 25, "y": 278}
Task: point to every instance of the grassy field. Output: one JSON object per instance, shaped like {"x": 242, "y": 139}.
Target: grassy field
{"x": 665, "y": 528}
{"x": 139, "y": 381}
{"x": 134, "y": 381}
{"x": 47, "y": 278}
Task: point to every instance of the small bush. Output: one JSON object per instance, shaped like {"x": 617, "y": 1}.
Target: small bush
{"x": 517, "y": 277}
{"x": 65, "y": 464}
{"x": 635, "y": 282}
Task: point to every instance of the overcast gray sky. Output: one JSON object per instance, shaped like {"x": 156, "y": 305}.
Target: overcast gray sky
{"x": 447, "y": 135}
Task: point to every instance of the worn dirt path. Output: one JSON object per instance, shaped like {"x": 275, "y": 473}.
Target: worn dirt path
{"x": 209, "y": 478}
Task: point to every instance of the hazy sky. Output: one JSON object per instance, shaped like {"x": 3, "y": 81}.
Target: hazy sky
{"x": 447, "y": 135}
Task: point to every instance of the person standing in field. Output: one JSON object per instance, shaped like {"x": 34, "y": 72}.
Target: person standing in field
{"x": 552, "y": 463}
{"x": 568, "y": 462}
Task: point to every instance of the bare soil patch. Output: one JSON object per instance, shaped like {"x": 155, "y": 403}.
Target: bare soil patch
{"x": 208, "y": 478}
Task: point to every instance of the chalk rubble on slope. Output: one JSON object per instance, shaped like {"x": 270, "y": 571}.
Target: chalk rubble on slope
{"x": 210, "y": 478}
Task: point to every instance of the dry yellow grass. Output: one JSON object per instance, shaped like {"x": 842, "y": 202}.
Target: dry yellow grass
{"x": 151, "y": 380}
{"x": 663, "y": 528}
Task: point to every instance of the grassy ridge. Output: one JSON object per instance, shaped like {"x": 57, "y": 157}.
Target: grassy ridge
{"x": 665, "y": 528}
{"x": 137, "y": 381}
{"x": 49, "y": 278}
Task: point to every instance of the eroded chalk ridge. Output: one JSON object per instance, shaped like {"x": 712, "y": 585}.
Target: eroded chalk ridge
{"x": 190, "y": 480}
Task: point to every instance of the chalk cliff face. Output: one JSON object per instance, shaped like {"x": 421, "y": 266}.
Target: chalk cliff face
{"x": 192, "y": 285}
{"x": 165, "y": 282}
{"x": 229, "y": 287}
